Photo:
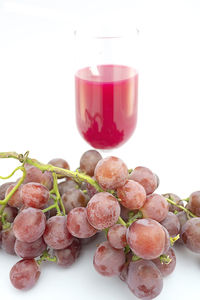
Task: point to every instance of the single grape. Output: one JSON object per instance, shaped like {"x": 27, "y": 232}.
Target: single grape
{"x": 56, "y": 234}
{"x": 66, "y": 186}
{"x": 190, "y": 234}
{"x": 176, "y": 199}
{"x": 166, "y": 269}
{"x": 156, "y": 207}
{"x": 8, "y": 241}
{"x": 24, "y": 274}
{"x": 146, "y": 178}
{"x": 194, "y": 203}
{"x": 59, "y": 162}
{"x": 3, "y": 189}
{"x": 144, "y": 279}
{"x": 172, "y": 224}
{"x": 73, "y": 198}
{"x": 78, "y": 224}
{"x": 103, "y": 210}
{"x": 16, "y": 199}
{"x": 132, "y": 195}
{"x": 111, "y": 173}
{"x": 34, "y": 195}
{"x": 182, "y": 216}
{"x": 34, "y": 174}
{"x": 66, "y": 257}
{"x": 89, "y": 160}
{"x": 29, "y": 225}
{"x": 30, "y": 250}
{"x": 10, "y": 213}
{"x": 146, "y": 238}
{"x": 117, "y": 236}
{"x": 108, "y": 261}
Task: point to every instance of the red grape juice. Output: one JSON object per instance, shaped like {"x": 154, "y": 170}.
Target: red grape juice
{"x": 106, "y": 104}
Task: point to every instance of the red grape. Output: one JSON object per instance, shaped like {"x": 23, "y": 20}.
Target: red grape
{"x": 34, "y": 195}
{"x": 3, "y": 189}
{"x": 156, "y": 207}
{"x": 144, "y": 279}
{"x": 190, "y": 234}
{"x": 66, "y": 186}
{"x": 172, "y": 224}
{"x": 108, "y": 261}
{"x": 59, "y": 162}
{"x": 117, "y": 236}
{"x": 34, "y": 174}
{"x": 29, "y": 225}
{"x": 73, "y": 198}
{"x": 66, "y": 257}
{"x": 78, "y": 224}
{"x": 194, "y": 203}
{"x": 30, "y": 250}
{"x": 16, "y": 199}
{"x": 56, "y": 234}
{"x": 132, "y": 195}
{"x": 24, "y": 274}
{"x": 111, "y": 172}
{"x": 8, "y": 240}
{"x": 164, "y": 268}
{"x": 146, "y": 178}
{"x": 103, "y": 210}
{"x": 89, "y": 160}
{"x": 146, "y": 238}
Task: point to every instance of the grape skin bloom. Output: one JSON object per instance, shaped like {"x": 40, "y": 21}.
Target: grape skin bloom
{"x": 103, "y": 210}
{"x": 111, "y": 173}
{"x": 144, "y": 279}
{"x": 29, "y": 225}
{"x": 108, "y": 261}
{"x": 146, "y": 238}
{"x": 24, "y": 274}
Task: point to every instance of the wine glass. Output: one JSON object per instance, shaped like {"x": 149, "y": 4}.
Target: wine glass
{"x": 106, "y": 89}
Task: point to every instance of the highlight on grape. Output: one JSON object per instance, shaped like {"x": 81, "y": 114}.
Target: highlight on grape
{"x": 51, "y": 212}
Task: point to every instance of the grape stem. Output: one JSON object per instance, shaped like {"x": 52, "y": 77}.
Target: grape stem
{"x": 7, "y": 198}
{"x": 57, "y": 198}
{"x": 181, "y": 207}
{"x": 76, "y": 176}
{"x": 46, "y": 257}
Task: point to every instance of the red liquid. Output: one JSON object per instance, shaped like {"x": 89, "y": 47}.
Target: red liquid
{"x": 106, "y": 105}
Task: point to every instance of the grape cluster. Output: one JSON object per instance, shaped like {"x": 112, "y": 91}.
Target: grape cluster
{"x": 50, "y": 216}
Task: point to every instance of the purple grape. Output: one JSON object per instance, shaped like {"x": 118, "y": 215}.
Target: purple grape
{"x": 8, "y": 241}
{"x": 172, "y": 224}
{"x": 24, "y": 274}
{"x": 144, "y": 279}
{"x": 108, "y": 261}
{"x": 190, "y": 234}
{"x": 29, "y": 225}
{"x": 66, "y": 257}
{"x": 166, "y": 269}
{"x": 56, "y": 234}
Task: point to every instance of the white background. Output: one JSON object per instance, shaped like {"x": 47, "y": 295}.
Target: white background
{"x": 37, "y": 114}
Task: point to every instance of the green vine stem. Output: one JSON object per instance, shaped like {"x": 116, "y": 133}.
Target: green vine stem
{"x": 7, "y": 198}
{"x": 78, "y": 177}
{"x": 46, "y": 257}
{"x": 181, "y": 207}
